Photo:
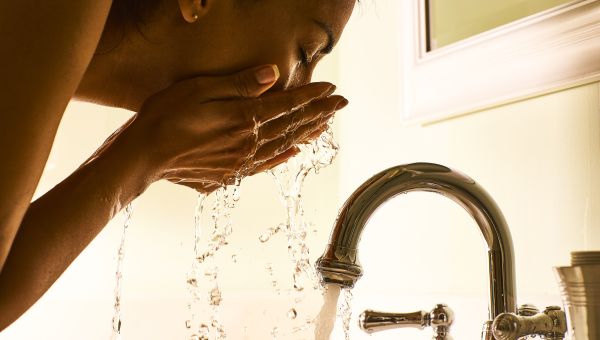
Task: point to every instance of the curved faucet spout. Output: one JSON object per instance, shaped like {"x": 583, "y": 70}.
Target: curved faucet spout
{"x": 339, "y": 264}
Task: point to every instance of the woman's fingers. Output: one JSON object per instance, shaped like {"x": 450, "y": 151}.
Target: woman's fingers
{"x": 249, "y": 83}
{"x": 275, "y": 161}
{"x": 253, "y": 83}
{"x": 283, "y": 143}
{"x": 276, "y": 104}
{"x": 316, "y": 134}
{"x": 290, "y": 122}
{"x": 200, "y": 187}
{"x": 205, "y": 177}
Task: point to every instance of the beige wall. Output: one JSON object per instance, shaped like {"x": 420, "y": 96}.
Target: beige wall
{"x": 537, "y": 158}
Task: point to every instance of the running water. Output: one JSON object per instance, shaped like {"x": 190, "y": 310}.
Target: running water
{"x": 325, "y": 321}
{"x": 117, "y": 321}
{"x": 289, "y": 178}
{"x": 193, "y": 277}
{"x": 225, "y": 200}
{"x": 345, "y": 312}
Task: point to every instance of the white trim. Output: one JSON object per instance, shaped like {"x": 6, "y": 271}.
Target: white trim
{"x": 547, "y": 52}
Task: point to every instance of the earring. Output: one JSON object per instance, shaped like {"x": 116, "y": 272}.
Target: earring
{"x": 195, "y": 17}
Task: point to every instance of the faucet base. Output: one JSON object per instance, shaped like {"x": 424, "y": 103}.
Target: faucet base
{"x": 339, "y": 273}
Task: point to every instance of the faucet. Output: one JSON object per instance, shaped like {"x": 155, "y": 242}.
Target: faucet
{"x": 339, "y": 264}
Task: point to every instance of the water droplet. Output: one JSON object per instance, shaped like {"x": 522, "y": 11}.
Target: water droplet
{"x": 211, "y": 274}
{"x": 264, "y": 237}
{"x": 215, "y": 297}
{"x": 204, "y": 332}
{"x": 292, "y": 314}
{"x": 234, "y": 258}
{"x": 236, "y": 191}
{"x": 188, "y": 324}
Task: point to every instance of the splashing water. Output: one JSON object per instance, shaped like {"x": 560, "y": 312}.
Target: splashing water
{"x": 193, "y": 277}
{"x": 289, "y": 178}
{"x": 117, "y": 317}
{"x": 225, "y": 200}
{"x": 271, "y": 273}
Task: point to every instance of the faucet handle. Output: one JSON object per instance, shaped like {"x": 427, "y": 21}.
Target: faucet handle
{"x": 550, "y": 324}
{"x": 440, "y": 319}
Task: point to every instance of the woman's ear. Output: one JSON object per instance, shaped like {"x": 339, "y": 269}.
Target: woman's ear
{"x": 192, "y": 10}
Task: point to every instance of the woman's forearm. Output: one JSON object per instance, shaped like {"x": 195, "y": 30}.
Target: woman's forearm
{"x": 59, "y": 225}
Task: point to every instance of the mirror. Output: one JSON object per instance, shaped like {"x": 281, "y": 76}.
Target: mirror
{"x": 450, "y": 21}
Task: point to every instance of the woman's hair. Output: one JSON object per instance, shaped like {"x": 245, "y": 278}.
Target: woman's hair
{"x": 132, "y": 13}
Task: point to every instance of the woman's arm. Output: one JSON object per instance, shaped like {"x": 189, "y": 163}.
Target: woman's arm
{"x": 45, "y": 47}
{"x": 59, "y": 225}
{"x": 198, "y": 133}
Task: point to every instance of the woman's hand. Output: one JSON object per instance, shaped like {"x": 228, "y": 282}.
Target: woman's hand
{"x": 207, "y": 131}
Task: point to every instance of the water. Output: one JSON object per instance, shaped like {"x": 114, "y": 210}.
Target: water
{"x": 117, "y": 320}
{"x": 204, "y": 262}
{"x": 193, "y": 276}
{"x": 345, "y": 312}
{"x": 325, "y": 320}
{"x": 289, "y": 178}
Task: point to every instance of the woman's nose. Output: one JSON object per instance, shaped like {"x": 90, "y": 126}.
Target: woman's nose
{"x": 293, "y": 76}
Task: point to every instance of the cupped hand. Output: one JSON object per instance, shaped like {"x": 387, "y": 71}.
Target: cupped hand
{"x": 208, "y": 131}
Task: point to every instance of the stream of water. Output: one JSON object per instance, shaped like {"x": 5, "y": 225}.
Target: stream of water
{"x": 325, "y": 320}
{"x": 289, "y": 178}
{"x": 203, "y": 277}
{"x": 117, "y": 321}
{"x": 204, "y": 268}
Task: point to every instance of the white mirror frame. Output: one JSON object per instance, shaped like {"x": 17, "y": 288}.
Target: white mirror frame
{"x": 543, "y": 53}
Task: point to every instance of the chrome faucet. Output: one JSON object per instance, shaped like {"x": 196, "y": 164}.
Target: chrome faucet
{"x": 339, "y": 264}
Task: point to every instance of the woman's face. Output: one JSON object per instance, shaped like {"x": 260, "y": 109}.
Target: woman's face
{"x": 231, "y": 35}
{"x": 228, "y": 36}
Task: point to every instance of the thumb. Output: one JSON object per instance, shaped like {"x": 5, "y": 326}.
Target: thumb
{"x": 249, "y": 83}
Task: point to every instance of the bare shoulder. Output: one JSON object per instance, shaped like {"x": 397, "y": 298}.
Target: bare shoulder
{"x": 45, "y": 47}
{"x": 54, "y": 38}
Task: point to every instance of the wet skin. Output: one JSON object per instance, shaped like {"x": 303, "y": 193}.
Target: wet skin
{"x": 197, "y": 75}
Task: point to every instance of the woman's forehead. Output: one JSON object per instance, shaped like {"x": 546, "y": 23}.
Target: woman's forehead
{"x": 334, "y": 13}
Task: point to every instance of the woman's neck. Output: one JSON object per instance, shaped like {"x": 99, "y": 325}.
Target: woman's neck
{"x": 123, "y": 72}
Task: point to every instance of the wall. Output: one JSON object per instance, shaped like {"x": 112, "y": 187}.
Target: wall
{"x": 538, "y": 158}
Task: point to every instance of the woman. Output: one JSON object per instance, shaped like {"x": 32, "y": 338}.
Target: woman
{"x": 220, "y": 90}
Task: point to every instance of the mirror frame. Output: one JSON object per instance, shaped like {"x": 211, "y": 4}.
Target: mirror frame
{"x": 543, "y": 53}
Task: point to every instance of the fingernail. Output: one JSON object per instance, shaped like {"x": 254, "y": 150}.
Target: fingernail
{"x": 267, "y": 74}
{"x": 329, "y": 91}
{"x": 342, "y": 104}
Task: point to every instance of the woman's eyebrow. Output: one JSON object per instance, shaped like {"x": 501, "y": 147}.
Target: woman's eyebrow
{"x": 330, "y": 36}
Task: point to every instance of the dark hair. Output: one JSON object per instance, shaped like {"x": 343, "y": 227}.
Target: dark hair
{"x": 132, "y": 13}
